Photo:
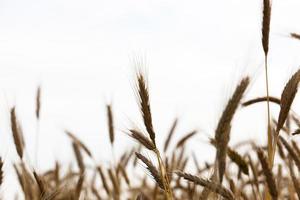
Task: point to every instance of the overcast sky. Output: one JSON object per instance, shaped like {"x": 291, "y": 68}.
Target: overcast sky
{"x": 80, "y": 53}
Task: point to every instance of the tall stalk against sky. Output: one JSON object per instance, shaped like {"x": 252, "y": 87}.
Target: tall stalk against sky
{"x": 265, "y": 43}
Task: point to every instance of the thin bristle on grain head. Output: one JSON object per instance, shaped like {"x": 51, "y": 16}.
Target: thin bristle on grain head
{"x": 17, "y": 133}
{"x": 144, "y": 102}
{"x": 261, "y": 99}
{"x": 287, "y": 97}
{"x": 214, "y": 187}
{"x": 266, "y": 25}
{"x": 185, "y": 138}
{"x": 152, "y": 169}
{"x": 110, "y": 124}
{"x": 171, "y": 133}
{"x": 268, "y": 174}
{"x": 138, "y": 136}
{"x": 222, "y": 133}
{"x": 38, "y": 103}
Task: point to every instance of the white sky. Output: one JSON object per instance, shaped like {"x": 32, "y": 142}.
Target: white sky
{"x": 80, "y": 53}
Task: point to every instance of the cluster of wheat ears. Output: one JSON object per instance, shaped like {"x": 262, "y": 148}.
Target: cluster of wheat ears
{"x": 252, "y": 175}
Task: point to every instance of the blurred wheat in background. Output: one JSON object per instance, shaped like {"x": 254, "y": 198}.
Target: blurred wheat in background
{"x": 157, "y": 167}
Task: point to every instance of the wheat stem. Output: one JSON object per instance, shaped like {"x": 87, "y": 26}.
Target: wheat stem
{"x": 270, "y": 143}
{"x": 271, "y": 151}
{"x": 164, "y": 176}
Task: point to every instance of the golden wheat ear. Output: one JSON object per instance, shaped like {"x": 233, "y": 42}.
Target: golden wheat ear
{"x": 142, "y": 139}
{"x": 268, "y": 174}
{"x": 38, "y": 103}
{"x": 266, "y": 25}
{"x": 222, "y": 133}
{"x": 110, "y": 122}
{"x": 152, "y": 169}
{"x": 212, "y": 186}
{"x": 144, "y": 103}
{"x": 17, "y": 133}
{"x": 287, "y": 98}
{"x": 238, "y": 160}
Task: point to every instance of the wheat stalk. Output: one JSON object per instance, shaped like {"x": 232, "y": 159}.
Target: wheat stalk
{"x": 144, "y": 104}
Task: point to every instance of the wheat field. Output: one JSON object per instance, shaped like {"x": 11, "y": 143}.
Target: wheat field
{"x": 245, "y": 171}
